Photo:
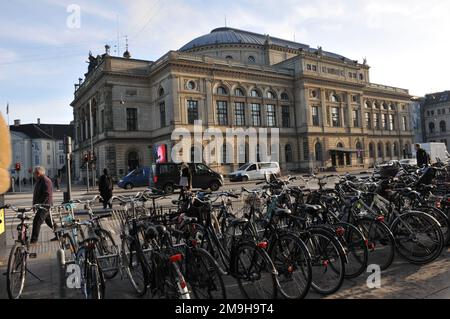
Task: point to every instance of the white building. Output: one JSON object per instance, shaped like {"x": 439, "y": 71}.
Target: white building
{"x": 38, "y": 145}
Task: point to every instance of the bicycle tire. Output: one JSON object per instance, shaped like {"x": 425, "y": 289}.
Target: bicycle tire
{"x": 106, "y": 246}
{"x": 134, "y": 268}
{"x": 17, "y": 258}
{"x": 406, "y": 229}
{"x": 249, "y": 281}
{"x": 441, "y": 217}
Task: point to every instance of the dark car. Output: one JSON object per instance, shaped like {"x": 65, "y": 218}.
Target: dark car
{"x": 166, "y": 175}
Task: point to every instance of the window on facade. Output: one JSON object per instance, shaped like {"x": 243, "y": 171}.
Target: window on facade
{"x": 314, "y": 68}
{"x": 192, "y": 107}
{"x": 404, "y": 123}
{"x": 396, "y": 150}
{"x": 48, "y": 160}
{"x": 335, "y": 117}
{"x": 162, "y": 114}
{"x": 239, "y": 92}
{"x": 256, "y": 114}
{"x": 368, "y": 121}
{"x": 334, "y": 98}
{"x": 380, "y": 150}
{"x": 318, "y": 152}
{"x": 285, "y": 97}
{"x": 361, "y": 76}
{"x": 161, "y": 92}
{"x": 306, "y": 150}
{"x": 392, "y": 107}
{"x": 388, "y": 150}
{"x": 222, "y": 113}
{"x": 102, "y": 120}
{"x": 308, "y": 67}
{"x": 191, "y": 85}
{"x": 251, "y": 59}
{"x": 132, "y": 120}
{"x": 37, "y": 160}
{"x": 239, "y": 114}
{"x": 372, "y": 150}
{"x": 286, "y": 118}
{"x": 222, "y": 91}
{"x": 432, "y": 128}
{"x": 61, "y": 160}
{"x": 391, "y": 122}
{"x": 271, "y": 95}
{"x": 355, "y": 118}
{"x": 313, "y": 94}
{"x": 385, "y": 106}
{"x": 48, "y": 146}
{"x": 443, "y": 126}
{"x": 315, "y": 116}
{"x": 288, "y": 153}
{"x": 61, "y": 146}
{"x": 368, "y": 105}
{"x": 255, "y": 93}
{"x": 229, "y": 57}
{"x": 271, "y": 116}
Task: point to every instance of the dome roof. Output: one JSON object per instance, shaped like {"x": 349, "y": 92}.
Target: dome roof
{"x": 235, "y": 36}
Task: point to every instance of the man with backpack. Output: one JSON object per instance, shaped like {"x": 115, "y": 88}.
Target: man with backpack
{"x": 106, "y": 187}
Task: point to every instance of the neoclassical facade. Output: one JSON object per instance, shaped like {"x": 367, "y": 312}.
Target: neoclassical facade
{"x": 328, "y": 112}
{"x": 435, "y": 109}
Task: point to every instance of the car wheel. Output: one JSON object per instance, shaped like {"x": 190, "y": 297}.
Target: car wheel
{"x": 245, "y": 179}
{"x": 168, "y": 189}
{"x": 214, "y": 186}
{"x": 129, "y": 186}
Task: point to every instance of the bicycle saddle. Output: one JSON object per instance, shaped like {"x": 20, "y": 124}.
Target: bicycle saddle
{"x": 238, "y": 221}
{"x": 280, "y": 212}
{"x": 312, "y": 209}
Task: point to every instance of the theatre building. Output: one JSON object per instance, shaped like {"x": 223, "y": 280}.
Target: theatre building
{"x": 328, "y": 112}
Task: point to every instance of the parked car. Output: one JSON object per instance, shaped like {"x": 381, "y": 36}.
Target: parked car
{"x": 166, "y": 175}
{"x": 137, "y": 178}
{"x": 255, "y": 171}
{"x": 408, "y": 162}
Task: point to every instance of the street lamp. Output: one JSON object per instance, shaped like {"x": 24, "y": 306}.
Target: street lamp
{"x": 92, "y": 144}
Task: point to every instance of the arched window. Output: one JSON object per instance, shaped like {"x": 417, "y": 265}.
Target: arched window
{"x": 380, "y": 150}
{"x": 255, "y": 93}
{"x": 161, "y": 92}
{"x": 318, "y": 152}
{"x": 368, "y": 105}
{"x": 388, "y": 150}
{"x": 251, "y": 59}
{"x": 334, "y": 98}
{"x": 239, "y": 92}
{"x": 222, "y": 91}
{"x": 284, "y": 97}
{"x": 377, "y": 105}
{"x": 443, "y": 126}
{"x": 360, "y": 154}
{"x": 288, "y": 153}
{"x": 229, "y": 57}
{"x": 133, "y": 161}
{"x": 271, "y": 95}
{"x": 372, "y": 150}
{"x": 396, "y": 151}
{"x": 385, "y": 106}
{"x": 432, "y": 128}
{"x": 392, "y": 107}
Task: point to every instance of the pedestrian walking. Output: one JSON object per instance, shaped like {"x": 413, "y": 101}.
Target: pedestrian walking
{"x": 106, "y": 187}
{"x": 43, "y": 194}
{"x": 56, "y": 180}
{"x": 423, "y": 159}
{"x": 185, "y": 176}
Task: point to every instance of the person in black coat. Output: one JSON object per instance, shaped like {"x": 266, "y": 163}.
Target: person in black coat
{"x": 423, "y": 159}
{"x": 106, "y": 187}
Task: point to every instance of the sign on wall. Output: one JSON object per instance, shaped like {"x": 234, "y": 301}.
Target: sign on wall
{"x": 2, "y": 220}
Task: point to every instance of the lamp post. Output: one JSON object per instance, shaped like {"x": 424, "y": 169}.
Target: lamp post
{"x": 92, "y": 145}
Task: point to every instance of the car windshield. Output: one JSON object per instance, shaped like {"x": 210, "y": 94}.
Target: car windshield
{"x": 243, "y": 168}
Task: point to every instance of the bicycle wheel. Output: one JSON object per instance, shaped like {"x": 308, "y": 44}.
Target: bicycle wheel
{"x": 133, "y": 267}
{"x": 355, "y": 245}
{"x": 108, "y": 253}
{"x": 418, "y": 237}
{"x": 16, "y": 271}
{"x": 255, "y": 273}
{"x": 69, "y": 247}
{"x": 441, "y": 217}
{"x": 203, "y": 275}
{"x": 92, "y": 280}
{"x": 327, "y": 260}
{"x": 293, "y": 263}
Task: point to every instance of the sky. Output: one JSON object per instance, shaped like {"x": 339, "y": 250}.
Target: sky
{"x": 43, "y": 48}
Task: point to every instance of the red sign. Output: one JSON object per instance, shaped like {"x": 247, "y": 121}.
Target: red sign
{"x": 18, "y": 167}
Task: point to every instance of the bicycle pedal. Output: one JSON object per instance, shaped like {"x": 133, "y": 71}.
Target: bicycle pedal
{"x": 32, "y": 255}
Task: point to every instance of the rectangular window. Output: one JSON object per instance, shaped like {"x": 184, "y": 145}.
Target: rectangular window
{"x": 192, "y": 107}
{"x": 355, "y": 118}
{"x": 368, "y": 121}
{"x": 404, "y": 123}
{"x": 37, "y": 160}
{"x": 376, "y": 119}
{"x": 335, "y": 117}
{"x": 239, "y": 114}
{"x": 315, "y": 116}
{"x": 48, "y": 160}
{"x": 306, "y": 151}
{"x": 256, "y": 114}
{"x": 385, "y": 122}
{"x": 102, "y": 114}
{"x": 286, "y": 116}
{"x": 162, "y": 114}
{"x": 222, "y": 113}
{"x": 61, "y": 160}
{"x": 314, "y": 68}
{"x": 132, "y": 120}
{"x": 308, "y": 67}
{"x": 61, "y": 147}
{"x": 271, "y": 116}
{"x": 48, "y": 146}
{"x": 391, "y": 122}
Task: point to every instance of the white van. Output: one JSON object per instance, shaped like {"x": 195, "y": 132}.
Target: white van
{"x": 255, "y": 171}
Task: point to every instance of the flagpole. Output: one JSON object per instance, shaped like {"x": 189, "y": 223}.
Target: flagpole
{"x": 7, "y": 113}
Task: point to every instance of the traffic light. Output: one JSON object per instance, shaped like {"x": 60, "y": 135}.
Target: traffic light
{"x": 86, "y": 158}
{"x": 18, "y": 167}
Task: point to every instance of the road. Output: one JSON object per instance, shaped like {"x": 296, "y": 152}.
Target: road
{"x": 401, "y": 281}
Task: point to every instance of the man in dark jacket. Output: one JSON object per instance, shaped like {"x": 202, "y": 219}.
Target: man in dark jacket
{"x": 43, "y": 194}
{"x": 106, "y": 186}
{"x": 423, "y": 159}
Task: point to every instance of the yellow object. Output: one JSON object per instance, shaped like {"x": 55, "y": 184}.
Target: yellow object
{"x": 5, "y": 156}
{"x": 2, "y": 220}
